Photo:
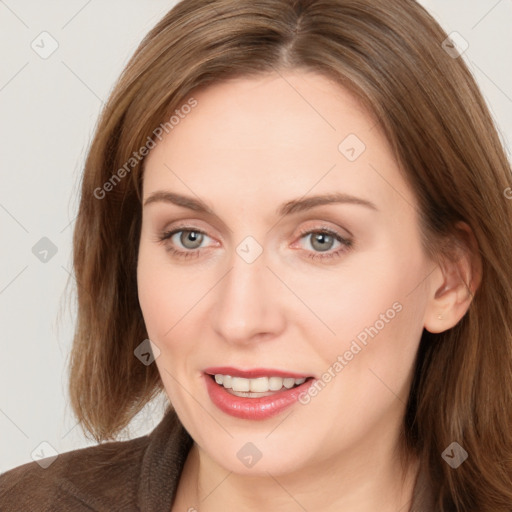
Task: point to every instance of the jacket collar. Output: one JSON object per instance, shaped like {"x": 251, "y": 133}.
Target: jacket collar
{"x": 163, "y": 461}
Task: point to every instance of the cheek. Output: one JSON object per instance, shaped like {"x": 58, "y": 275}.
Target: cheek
{"x": 360, "y": 290}
{"x": 374, "y": 303}
{"x": 165, "y": 299}
{"x": 161, "y": 294}
{"x": 166, "y": 290}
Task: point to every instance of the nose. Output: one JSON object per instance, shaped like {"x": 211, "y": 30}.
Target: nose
{"x": 247, "y": 307}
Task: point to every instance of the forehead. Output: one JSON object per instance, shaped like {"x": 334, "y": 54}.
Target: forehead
{"x": 280, "y": 108}
{"x": 275, "y": 136}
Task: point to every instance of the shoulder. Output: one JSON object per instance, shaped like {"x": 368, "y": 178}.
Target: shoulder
{"x": 102, "y": 477}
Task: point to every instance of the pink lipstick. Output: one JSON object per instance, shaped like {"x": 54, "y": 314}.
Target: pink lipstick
{"x": 255, "y": 394}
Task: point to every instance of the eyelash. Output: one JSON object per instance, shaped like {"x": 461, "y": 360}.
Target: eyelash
{"x": 346, "y": 243}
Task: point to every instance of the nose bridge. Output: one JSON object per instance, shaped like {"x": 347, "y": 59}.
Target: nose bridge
{"x": 245, "y": 306}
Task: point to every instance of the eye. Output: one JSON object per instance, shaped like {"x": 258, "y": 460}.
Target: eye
{"x": 190, "y": 239}
{"x": 321, "y": 240}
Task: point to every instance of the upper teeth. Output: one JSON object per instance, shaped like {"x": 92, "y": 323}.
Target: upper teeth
{"x": 258, "y": 385}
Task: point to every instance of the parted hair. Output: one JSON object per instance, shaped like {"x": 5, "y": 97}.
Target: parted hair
{"x": 390, "y": 55}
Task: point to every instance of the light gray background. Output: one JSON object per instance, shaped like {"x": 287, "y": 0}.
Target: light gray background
{"x": 48, "y": 110}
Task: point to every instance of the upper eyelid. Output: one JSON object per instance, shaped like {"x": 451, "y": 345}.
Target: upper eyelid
{"x": 187, "y": 225}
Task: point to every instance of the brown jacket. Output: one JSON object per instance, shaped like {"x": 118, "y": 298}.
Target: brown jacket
{"x": 137, "y": 475}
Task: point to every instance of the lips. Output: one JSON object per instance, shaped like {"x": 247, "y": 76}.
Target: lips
{"x": 254, "y": 394}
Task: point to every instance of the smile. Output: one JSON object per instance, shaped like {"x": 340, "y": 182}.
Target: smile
{"x": 255, "y": 394}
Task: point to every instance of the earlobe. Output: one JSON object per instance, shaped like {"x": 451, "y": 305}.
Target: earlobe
{"x": 454, "y": 282}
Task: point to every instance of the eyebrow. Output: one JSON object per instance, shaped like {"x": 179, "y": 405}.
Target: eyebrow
{"x": 288, "y": 208}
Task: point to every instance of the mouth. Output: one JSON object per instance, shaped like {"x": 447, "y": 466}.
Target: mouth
{"x": 256, "y": 387}
{"x": 254, "y": 394}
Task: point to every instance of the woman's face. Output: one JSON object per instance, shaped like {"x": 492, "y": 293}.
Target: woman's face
{"x": 268, "y": 285}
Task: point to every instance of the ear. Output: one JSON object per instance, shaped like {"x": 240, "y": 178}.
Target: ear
{"x": 454, "y": 282}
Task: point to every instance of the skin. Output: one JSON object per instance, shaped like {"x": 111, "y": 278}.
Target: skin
{"x": 250, "y": 145}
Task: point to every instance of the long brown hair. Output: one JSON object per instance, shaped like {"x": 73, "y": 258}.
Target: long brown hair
{"x": 389, "y": 53}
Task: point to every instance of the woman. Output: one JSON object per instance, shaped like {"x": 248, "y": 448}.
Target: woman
{"x": 303, "y": 205}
